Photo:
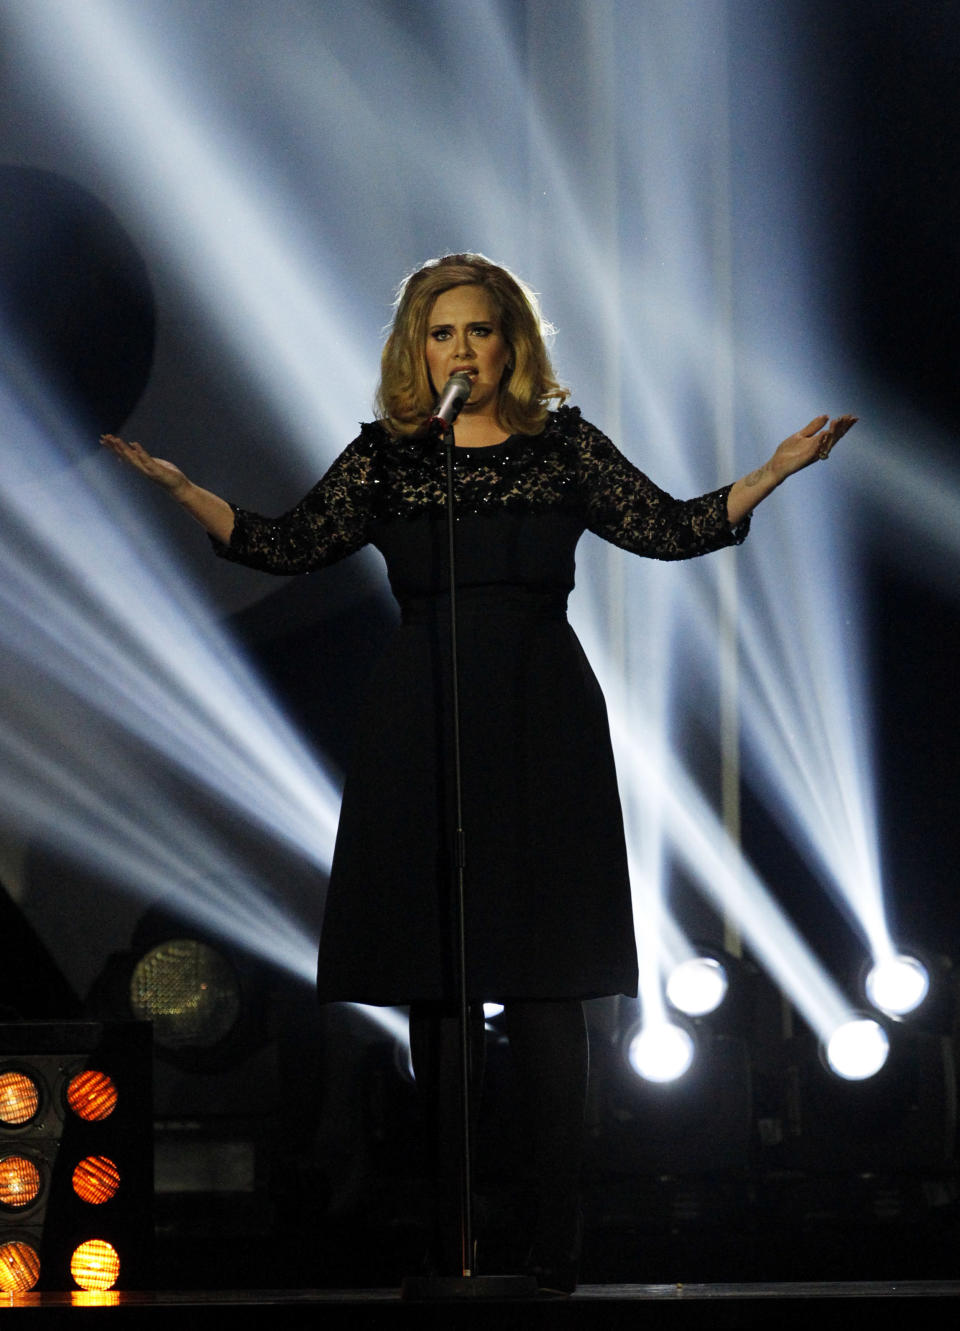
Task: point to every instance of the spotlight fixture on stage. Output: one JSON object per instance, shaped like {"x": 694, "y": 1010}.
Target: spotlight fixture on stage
{"x": 203, "y": 998}
{"x": 673, "y": 1097}
{"x": 897, "y": 985}
{"x": 230, "y": 1078}
{"x": 189, "y": 991}
{"x": 856, "y": 1050}
{"x": 76, "y": 1176}
{"x": 19, "y": 1097}
{"x": 875, "y": 1100}
{"x": 95, "y": 1265}
{"x": 697, "y": 987}
{"x": 20, "y": 1181}
{"x": 660, "y": 1051}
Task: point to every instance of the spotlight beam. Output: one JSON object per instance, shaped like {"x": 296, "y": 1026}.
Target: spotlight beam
{"x": 90, "y": 631}
{"x": 805, "y": 726}
{"x": 921, "y": 491}
{"x": 83, "y": 606}
{"x": 179, "y": 172}
{"x": 699, "y": 840}
{"x": 112, "y": 818}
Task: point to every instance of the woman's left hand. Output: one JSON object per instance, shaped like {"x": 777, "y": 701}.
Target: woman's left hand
{"x": 811, "y": 444}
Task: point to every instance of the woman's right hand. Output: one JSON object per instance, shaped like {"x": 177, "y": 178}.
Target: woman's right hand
{"x": 213, "y": 513}
{"x": 165, "y": 474}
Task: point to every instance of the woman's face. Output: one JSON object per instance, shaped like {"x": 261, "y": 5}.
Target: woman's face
{"x": 463, "y": 334}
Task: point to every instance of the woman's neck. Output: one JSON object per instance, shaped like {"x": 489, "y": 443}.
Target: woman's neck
{"x": 479, "y": 431}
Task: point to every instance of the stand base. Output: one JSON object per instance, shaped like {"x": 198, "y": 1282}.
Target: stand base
{"x": 433, "y": 1289}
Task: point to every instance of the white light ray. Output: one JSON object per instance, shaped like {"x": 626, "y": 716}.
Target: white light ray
{"x": 805, "y": 714}
{"x": 669, "y": 342}
{"x": 392, "y": 1021}
{"x": 78, "y": 599}
{"x": 111, "y": 817}
{"x": 805, "y": 719}
{"x": 311, "y": 83}
{"x": 698, "y": 840}
{"x": 176, "y": 170}
{"x": 918, "y": 484}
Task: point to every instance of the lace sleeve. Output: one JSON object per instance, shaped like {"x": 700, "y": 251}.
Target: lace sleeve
{"x": 328, "y": 524}
{"x": 627, "y": 509}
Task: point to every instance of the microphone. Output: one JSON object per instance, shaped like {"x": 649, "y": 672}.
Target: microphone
{"x": 455, "y": 392}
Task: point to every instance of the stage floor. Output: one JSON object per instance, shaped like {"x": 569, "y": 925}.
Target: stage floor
{"x": 604, "y": 1307}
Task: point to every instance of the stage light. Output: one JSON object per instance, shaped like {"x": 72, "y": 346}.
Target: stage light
{"x": 96, "y": 1179}
{"x": 897, "y": 985}
{"x": 82, "y": 1169}
{"x": 698, "y": 986}
{"x": 671, "y": 1098}
{"x": 92, "y": 1095}
{"x": 857, "y": 1050}
{"x": 19, "y": 1097}
{"x": 887, "y": 1106}
{"x": 19, "y": 1266}
{"x": 661, "y": 1051}
{"x": 19, "y": 1181}
{"x": 189, "y": 991}
{"x": 95, "y": 1265}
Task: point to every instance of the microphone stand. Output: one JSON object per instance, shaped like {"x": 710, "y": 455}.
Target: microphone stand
{"x": 468, "y": 1285}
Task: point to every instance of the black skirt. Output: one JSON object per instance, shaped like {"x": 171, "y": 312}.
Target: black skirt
{"x": 548, "y": 910}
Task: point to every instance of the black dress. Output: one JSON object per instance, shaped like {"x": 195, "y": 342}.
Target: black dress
{"x": 548, "y": 900}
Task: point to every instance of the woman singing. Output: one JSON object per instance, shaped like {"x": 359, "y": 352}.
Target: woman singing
{"x": 548, "y": 908}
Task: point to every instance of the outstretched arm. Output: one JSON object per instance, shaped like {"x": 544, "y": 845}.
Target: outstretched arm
{"x": 811, "y": 444}
{"x": 213, "y": 513}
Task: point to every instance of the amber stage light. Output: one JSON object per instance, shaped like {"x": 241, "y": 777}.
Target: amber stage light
{"x": 76, "y": 1159}
{"x": 19, "y": 1181}
{"x": 19, "y": 1267}
{"x": 19, "y": 1098}
{"x": 96, "y": 1179}
{"x": 95, "y": 1265}
{"x": 92, "y": 1096}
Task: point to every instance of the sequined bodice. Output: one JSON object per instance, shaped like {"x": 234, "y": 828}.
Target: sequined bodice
{"x": 521, "y": 507}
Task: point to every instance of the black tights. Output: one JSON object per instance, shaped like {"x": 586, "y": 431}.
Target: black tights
{"x": 548, "y": 1042}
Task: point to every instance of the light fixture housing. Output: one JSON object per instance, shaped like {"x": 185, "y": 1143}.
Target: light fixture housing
{"x": 698, "y": 986}
{"x": 857, "y": 1049}
{"x": 661, "y": 1051}
{"x": 897, "y": 985}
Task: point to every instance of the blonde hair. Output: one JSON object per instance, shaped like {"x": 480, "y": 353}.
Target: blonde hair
{"x": 405, "y": 397}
